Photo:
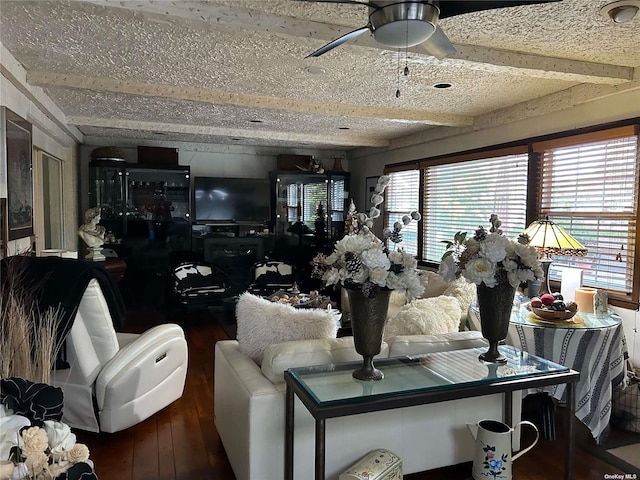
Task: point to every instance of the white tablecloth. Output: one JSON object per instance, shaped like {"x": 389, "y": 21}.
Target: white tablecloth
{"x": 598, "y": 353}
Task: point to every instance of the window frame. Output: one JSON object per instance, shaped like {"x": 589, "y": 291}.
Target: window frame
{"x": 616, "y": 297}
{"x": 600, "y": 131}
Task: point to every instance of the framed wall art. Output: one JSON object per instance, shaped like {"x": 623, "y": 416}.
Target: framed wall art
{"x": 369, "y": 189}
{"x": 18, "y": 151}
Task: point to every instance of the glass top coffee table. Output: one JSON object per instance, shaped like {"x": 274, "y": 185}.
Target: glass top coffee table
{"x": 329, "y": 391}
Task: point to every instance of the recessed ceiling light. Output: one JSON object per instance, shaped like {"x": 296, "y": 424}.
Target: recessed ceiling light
{"x": 443, "y": 85}
{"x": 315, "y": 70}
{"x": 621, "y": 11}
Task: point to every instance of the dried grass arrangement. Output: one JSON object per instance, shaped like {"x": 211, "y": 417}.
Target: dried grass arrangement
{"x": 28, "y": 337}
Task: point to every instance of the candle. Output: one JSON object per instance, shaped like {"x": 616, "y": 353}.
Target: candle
{"x": 584, "y": 299}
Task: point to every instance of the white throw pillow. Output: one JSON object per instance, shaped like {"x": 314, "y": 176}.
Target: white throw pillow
{"x": 425, "y": 316}
{"x": 434, "y": 284}
{"x": 466, "y": 294}
{"x": 261, "y": 323}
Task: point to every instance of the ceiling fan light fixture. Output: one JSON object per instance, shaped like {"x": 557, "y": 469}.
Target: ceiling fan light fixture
{"x": 404, "y": 33}
{"x": 403, "y": 24}
{"x": 621, "y": 11}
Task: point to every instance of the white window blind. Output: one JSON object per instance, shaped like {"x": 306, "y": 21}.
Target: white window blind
{"x": 293, "y": 202}
{"x": 313, "y": 195}
{"x": 591, "y": 189}
{"x": 337, "y": 200}
{"x": 462, "y": 196}
{"x": 401, "y": 198}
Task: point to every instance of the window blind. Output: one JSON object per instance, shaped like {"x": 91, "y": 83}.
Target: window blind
{"x": 401, "y": 198}
{"x": 313, "y": 195}
{"x": 337, "y": 198}
{"x": 462, "y": 196}
{"x": 293, "y": 202}
{"x": 591, "y": 189}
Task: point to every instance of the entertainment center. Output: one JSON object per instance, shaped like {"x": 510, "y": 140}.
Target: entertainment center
{"x": 289, "y": 216}
{"x": 159, "y": 212}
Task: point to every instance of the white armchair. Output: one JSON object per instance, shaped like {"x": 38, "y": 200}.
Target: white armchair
{"x": 117, "y": 380}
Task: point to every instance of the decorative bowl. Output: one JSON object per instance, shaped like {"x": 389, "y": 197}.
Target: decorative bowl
{"x": 553, "y": 314}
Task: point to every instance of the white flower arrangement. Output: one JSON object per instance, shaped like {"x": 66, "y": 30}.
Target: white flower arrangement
{"x": 490, "y": 258}
{"x": 362, "y": 260}
{"x": 41, "y": 453}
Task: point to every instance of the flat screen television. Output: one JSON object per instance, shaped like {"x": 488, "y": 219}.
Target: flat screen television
{"x": 220, "y": 199}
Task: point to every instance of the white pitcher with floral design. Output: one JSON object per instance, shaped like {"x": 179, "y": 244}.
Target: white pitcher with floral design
{"x": 493, "y": 457}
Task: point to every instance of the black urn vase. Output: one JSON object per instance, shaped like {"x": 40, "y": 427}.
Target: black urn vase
{"x": 368, "y": 318}
{"x": 495, "y": 304}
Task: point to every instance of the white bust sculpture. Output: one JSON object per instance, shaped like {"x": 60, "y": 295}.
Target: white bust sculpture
{"x": 92, "y": 234}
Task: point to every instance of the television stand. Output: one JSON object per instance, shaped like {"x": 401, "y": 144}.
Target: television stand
{"x": 234, "y": 255}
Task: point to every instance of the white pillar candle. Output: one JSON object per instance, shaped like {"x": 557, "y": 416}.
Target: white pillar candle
{"x": 584, "y": 299}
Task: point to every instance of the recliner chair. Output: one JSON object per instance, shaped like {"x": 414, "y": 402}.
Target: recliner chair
{"x": 110, "y": 380}
{"x": 117, "y": 380}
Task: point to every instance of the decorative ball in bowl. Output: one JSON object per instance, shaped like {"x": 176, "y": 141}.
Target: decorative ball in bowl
{"x": 551, "y": 306}
{"x": 547, "y": 314}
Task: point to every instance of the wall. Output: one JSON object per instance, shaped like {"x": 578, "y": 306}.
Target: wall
{"x": 50, "y": 134}
{"x": 607, "y": 108}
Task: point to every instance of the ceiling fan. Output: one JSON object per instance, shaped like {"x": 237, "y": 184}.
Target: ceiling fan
{"x": 402, "y": 24}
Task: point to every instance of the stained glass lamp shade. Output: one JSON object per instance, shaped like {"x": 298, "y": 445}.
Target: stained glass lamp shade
{"x": 549, "y": 238}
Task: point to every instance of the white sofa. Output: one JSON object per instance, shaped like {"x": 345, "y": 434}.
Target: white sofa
{"x": 249, "y": 411}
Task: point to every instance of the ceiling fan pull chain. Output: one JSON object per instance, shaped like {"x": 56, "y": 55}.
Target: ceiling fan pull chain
{"x": 406, "y": 49}
{"x": 398, "y": 74}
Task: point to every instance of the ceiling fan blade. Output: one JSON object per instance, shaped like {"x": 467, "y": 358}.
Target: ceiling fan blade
{"x": 438, "y": 45}
{"x": 450, "y": 8}
{"x": 338, "y": 41}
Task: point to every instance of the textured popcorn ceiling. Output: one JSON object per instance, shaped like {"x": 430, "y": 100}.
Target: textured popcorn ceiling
{"x": 191, "y": 71}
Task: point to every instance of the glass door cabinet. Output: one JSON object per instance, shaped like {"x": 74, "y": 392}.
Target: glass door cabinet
{"x": 309, "y": 206}
{"x": 143, "y": 202}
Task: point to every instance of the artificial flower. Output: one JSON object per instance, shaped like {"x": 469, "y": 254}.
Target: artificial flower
{"x": 34, "y": 441}
{"x": 362, "y": 260}
{"x": 60, "y": 439}
{"x": 78, "y": 453}
{"x": 36, "y": 462}
{"x": 36, "y": 401}
{"x": 10, "y": 426}
{"x": 40, "y": 446}
{"x": 490, "y": 258}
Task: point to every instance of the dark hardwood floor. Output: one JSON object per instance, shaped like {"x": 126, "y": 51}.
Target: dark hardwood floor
{"x": 181, "y": 441}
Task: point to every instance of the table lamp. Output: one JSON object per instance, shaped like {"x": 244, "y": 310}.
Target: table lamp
{"x": 551, "y": 239}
